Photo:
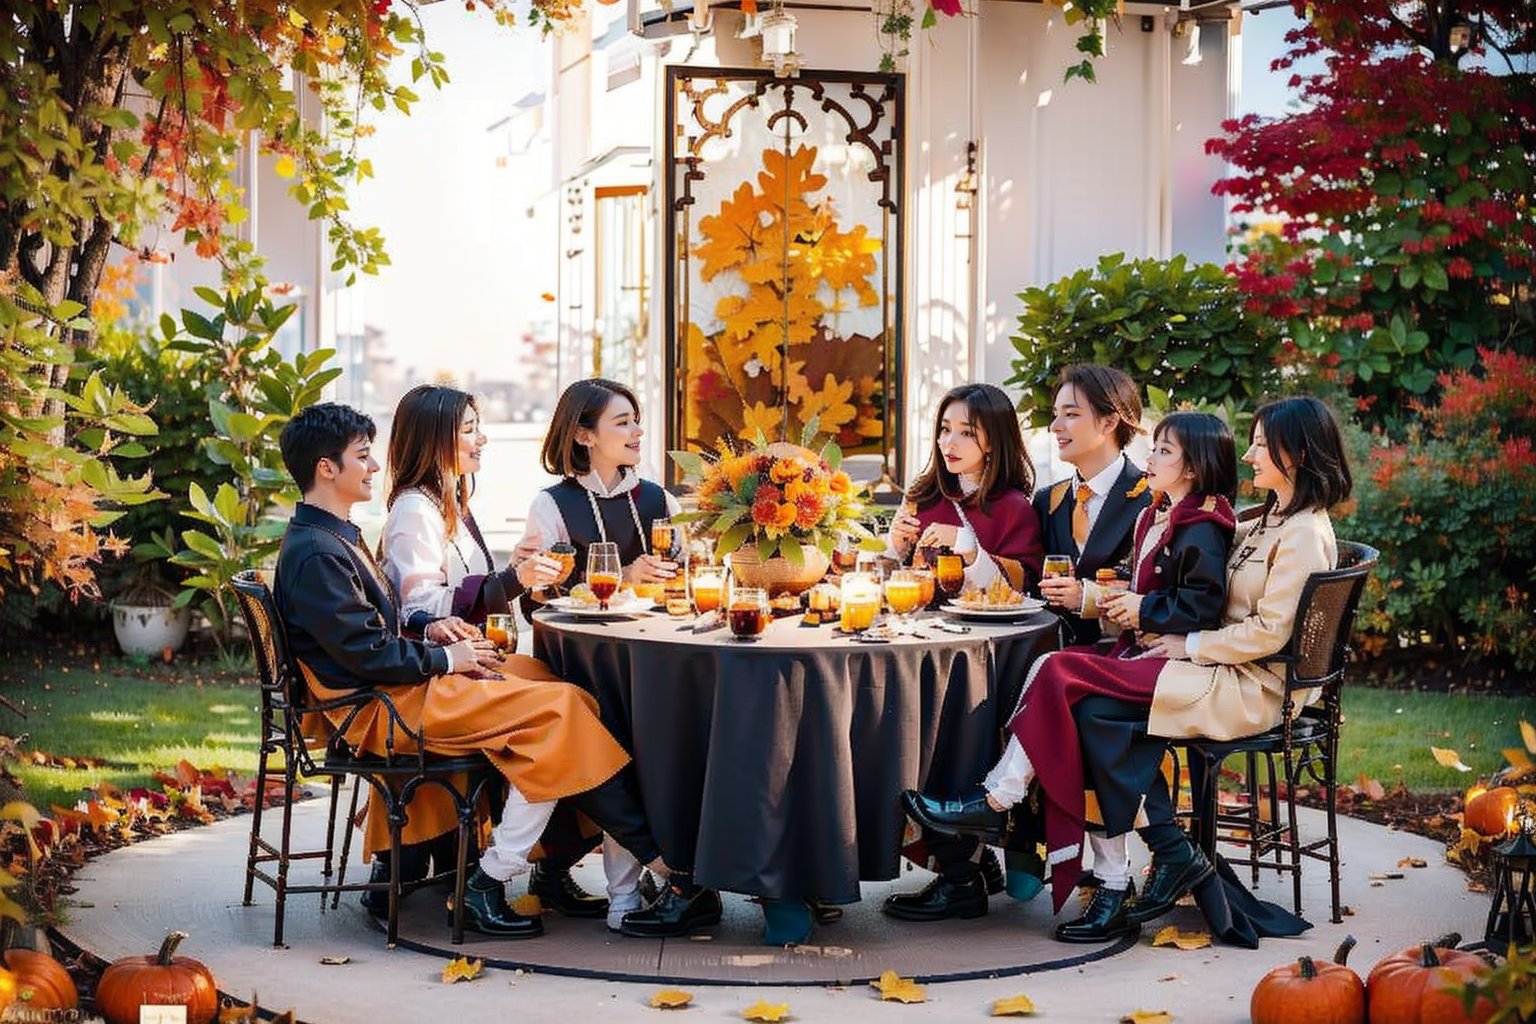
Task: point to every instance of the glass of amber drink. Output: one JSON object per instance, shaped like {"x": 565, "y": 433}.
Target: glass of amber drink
{"x": 501, "y": 631}
{"x": 603, "y": 571}
{"x": 1056, "y": 566}
{"x": 926, "y": 586}
{"x": 860, "y": 601}
{"x": 748, "y": 613}
{"x": 949, "y": 573}
{"x": 708, "y": 582}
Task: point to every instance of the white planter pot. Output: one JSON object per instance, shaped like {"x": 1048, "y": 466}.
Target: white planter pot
{"x": 148, "y": 629}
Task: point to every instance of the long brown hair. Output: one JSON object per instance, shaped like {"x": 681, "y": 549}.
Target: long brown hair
{"x": 1007, "y": 466}
{"x": 424, "y": 448}
{"x": 580, "y": 407}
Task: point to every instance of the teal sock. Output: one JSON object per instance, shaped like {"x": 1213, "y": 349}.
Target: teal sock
{"x": 787, "y": 922}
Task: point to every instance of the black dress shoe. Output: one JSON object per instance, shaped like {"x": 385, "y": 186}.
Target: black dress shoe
{"x": 413, "y": 868}
{"x": 558, "y": 890}
{"x": 941, "y": 898}
{"x": 486, "y": 911}
{"x": 679, "y": 909}
{"x": 992, "y": 872}
{"x": 1170, "y": 879}
{"x": 969, "y": 815}
{"x": 1103, "y": 921}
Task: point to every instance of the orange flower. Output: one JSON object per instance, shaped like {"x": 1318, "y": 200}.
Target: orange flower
{"x": 765, "y": 512}
{"x": 808, "y": 511}
{"x": 785, "y": 470}
{"x": 737, "y": 468}
{"x": 787, "y": 514}
{"x": 840, "y": 483}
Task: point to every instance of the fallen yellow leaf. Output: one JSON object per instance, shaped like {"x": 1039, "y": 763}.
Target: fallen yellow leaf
{"x": 889, "y": 980}
{"x": 764, "y": 1010}
{"x": 906, "y": 992}
{"x": 528, "y": 905}
{"x": 671, "y": 999}
{"x": 1147, "y": 1017}
{"x": 462, "y": 969}
{"x": 1528, "y": 733}
{"x": 1013, "y": 1005}
{"x": 1450, "y": 759}
{"x": 1172, "y": 936}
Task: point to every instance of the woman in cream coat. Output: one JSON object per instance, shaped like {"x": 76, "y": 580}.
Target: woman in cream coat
{"x": 1217, "y": 683}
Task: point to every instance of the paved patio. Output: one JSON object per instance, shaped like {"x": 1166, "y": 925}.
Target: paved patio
{"x": 130, "y": 898}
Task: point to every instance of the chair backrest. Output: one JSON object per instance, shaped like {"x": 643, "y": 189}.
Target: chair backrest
{"x": 1325, "y": 617}
{"x": 282, "y": 686}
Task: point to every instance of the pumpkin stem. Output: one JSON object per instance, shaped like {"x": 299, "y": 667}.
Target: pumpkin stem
{"x": 1341, "y": 955}
{"x": 1427, "y": 955}
{"x": 1308, "y": 968}
{"x": 168, "y": 948}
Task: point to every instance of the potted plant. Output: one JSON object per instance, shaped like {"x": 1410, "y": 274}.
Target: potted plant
{"x": 146, "y": 617}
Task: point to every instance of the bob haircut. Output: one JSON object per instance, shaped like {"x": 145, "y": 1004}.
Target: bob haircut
{"x": 1007, "y": 467}
{"x": 1209, "y": 450}
{"x": 323, "y": 431}
{"x": 424, "y": 449}
{"x": 1304, "y": 442}
{"x": 580, "y": 407}
{"x": 1108, "y": 392}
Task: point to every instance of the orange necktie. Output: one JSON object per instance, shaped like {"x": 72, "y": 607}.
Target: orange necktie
{"x": 1080, "y": 516}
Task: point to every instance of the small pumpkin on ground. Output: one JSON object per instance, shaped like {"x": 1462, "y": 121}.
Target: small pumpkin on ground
{"x": 1423, "y": 984}
{"x": 163, "y": 979}
{"x": 42, "y": 983}
{"x": 1317, "y": 992}
{"x": 1488, "y": 812}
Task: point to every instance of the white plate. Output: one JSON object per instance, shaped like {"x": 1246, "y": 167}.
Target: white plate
{"x": 1029, "y": 606}
{"x": 570, "y": 606}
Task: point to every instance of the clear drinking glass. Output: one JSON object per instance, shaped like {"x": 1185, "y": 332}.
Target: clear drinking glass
{"x": 1056, "y": 565}
{"x": 603, "y": 571}
{"x": 903, "y": 593}
{"x": 708, "y": 582}
{"x": 501, "y": 631}
{"x": 860, "y": 601}
{"x": 748, "y": 613}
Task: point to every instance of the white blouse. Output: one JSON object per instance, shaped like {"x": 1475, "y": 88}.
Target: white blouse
{"x": 547, "y": 526}
{"x": 423, "y": 563}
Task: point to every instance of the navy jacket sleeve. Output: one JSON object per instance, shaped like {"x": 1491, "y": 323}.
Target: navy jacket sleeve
{"x": 326, "y": 601}
{"x": 1198, "y": 567}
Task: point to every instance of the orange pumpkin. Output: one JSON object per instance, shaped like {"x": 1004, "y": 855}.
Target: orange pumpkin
{"x": 42, "y": 983}
{"x": 1423, "y": 985}
{"x": 1311, "y": 992}
{"x": 1488, "y": 812}
{"x": 7, "y": 989}
{"x": 163, "y": 979}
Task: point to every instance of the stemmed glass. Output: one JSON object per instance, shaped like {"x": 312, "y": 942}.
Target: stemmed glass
{"x": 603, "y": 571}
{"x": 903, "y": 592}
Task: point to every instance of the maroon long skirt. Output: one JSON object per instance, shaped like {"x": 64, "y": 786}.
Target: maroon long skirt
{"x": 1048, "y": 733}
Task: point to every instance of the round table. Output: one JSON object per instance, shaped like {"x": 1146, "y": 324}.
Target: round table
{"x": 772, "y": 767}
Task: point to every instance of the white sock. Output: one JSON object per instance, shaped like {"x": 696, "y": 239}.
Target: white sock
{"x": 1009, "y": 779}
{"x": 513, "y": 837}
{"x": 1111, "y": 860}
{"x": 621, "y": 869}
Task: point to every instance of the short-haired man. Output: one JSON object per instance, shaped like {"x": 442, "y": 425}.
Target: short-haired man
{"x": 343, "y": 625}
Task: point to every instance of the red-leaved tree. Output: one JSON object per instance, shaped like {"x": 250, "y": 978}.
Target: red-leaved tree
{"x": 1399, "y": 194}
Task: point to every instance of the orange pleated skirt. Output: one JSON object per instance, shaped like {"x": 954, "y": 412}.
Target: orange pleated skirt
{"x": 542, "y": 733}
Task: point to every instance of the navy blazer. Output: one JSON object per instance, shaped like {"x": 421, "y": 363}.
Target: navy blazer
{"x": 1109, "y": 542}
{"x": 341, "y": 614}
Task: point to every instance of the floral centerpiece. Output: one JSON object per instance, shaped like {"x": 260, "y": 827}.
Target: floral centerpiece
{"x": 779, "y": 507}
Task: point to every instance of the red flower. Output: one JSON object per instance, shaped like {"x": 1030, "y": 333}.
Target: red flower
{"x": 949, "y": 7}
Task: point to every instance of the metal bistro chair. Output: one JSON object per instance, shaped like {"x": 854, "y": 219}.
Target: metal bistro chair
{"x": 395, "y": 777}
{"x": 1305, "y": 744}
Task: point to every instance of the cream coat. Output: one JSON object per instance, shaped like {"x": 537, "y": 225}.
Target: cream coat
{"x": 1226, "y": 690}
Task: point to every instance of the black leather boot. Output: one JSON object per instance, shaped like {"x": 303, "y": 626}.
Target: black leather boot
{"x": 1171, "y": 878}
{"x": 967, "y": 815}
{"x": 681, "y": 908}
{"x": 557, "y": 890}
{"x": 992, "y": 872}
{"x": 960, "y": 891}
{"x": 414, "y": 858}
{"x": 486, "y": 910}
{"x": 615, "y": 809}
{"x": 1103, "y": 921}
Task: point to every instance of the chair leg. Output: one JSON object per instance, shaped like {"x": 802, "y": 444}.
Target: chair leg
{"x": 1204, "y": 773}
{"x": 1331, "y": 791}
{"x": 346, "y": 841}
{"x": 1294, "y": 835}
{"x": 261, "y": 792}
{"x": 330, "y": 829}
{"x": 462, "y": 859}
{"x": 289, "y": 772}
{"x": 1252, "y": 782}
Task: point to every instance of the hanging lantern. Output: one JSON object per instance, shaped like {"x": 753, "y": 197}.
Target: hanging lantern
{"x": 778, "y": 31}
{"x": 1512, "y": 918}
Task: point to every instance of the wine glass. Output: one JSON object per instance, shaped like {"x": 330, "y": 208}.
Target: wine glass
{"x": 903, "y": 592}
{"x": 501, "y": 631}
{"x": 603, "y": 571}
{"x": 1056, "y": 566}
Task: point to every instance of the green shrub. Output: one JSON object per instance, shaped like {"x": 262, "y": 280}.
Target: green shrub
{"x": 1453, "y": 510}
{"x": 1170, "y": 325}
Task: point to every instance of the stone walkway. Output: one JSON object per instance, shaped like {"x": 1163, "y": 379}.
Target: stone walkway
{"x": 130, "y": 898}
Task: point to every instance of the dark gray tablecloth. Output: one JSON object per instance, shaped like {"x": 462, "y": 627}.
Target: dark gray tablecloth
{"x": 773, "y": 767}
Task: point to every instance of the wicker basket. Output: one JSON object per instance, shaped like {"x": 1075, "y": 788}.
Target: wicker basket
{"x": 778, "y": 575}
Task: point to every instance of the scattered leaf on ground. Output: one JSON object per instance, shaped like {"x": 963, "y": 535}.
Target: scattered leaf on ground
{"x": 764, "y": 1010}
{"x": 1172, "y": 936}
{"x": 1147, "y": 1017}
{"x": 1413, "y": 862}
{"x": 462, "y": 969}
{"x": 1372, "y": 789}
{"x": 1449, "y": 759}
{"x": 528, "y": 905}
{"x": 671, "y": 999}
{"x": 906, "y": 992}
{"x": 335, "y": 961}
{"x": 1013, "y": 1005}
{"x": 1528, "y": 734}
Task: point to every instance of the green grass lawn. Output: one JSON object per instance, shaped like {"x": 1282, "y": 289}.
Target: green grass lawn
{"x": 137, "y": 725}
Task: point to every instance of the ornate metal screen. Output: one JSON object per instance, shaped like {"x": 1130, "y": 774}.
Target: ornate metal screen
{"x": 785, "y": 260}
